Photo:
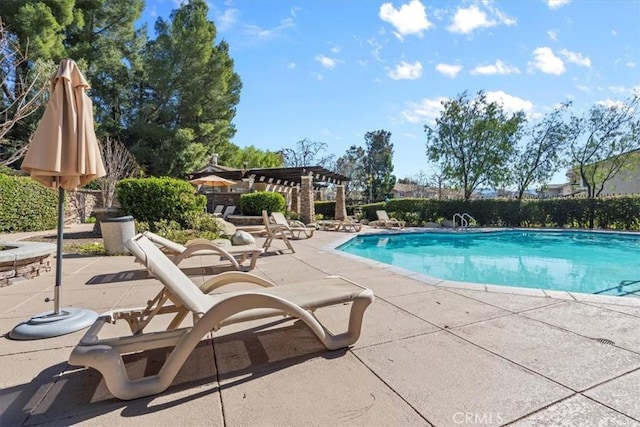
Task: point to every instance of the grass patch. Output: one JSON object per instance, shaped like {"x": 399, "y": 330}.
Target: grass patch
{"x": 94, "y": 248}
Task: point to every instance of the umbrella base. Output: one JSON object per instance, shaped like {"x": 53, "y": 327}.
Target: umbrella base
{"x": 50, "y": 324}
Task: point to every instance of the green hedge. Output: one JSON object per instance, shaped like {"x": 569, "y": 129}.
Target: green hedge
{"x": 620, "y": 213}
{"x": 26, "y": 205}
{"x": 255, "y": 203}
{"x": 154, "y": 199}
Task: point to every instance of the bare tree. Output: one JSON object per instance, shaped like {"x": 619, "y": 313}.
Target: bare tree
{"x": 21, "y": 95}
{"x": 119, "y": 163}
{"x": 603, "y": 142}
{"x": 306, "y": 153}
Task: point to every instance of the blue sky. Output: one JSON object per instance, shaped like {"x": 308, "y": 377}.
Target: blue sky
{"x": 331, "y": 71}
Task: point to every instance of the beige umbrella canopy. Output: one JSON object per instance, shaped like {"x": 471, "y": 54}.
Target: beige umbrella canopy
{"x": 212, "y": 181}
{"x": 64, "y": 150}
{"x": 63, "y": 154}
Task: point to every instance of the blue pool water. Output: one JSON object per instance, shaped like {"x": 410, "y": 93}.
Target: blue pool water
{"x": 597, "y": 263}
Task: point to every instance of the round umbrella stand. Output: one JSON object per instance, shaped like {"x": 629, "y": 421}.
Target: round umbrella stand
{"x": 52, "y": 324}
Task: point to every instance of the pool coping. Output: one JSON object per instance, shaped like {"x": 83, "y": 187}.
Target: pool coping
{"x": 630, "y": 300}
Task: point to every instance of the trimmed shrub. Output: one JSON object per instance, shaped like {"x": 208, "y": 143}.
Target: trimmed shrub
{"x": 26, "y": 205}
{"x": 153, "y": 200}
{"x": 620, "y": 213}
{"x": 255, "y": 203}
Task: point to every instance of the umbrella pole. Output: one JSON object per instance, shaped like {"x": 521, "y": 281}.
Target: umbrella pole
{"x": 56, "y": 291}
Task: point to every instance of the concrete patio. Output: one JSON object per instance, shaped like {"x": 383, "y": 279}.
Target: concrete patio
{"x": 431, "y": 353}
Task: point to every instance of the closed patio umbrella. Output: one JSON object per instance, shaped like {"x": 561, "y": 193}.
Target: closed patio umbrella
{"x": 63, "y": 154}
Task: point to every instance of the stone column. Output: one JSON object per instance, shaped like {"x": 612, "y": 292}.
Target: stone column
{"x": 341, "y": 206}
{"x": 307, "y": 209}
{"x": 295, "y": 199}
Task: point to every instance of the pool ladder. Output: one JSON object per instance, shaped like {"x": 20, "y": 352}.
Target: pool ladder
{"x": 465, "y": 218}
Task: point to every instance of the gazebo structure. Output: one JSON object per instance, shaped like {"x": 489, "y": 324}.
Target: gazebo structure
{"x": 298, "y": 184}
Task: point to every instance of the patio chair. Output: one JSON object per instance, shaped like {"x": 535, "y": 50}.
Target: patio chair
{"x": 296, "y": 231}
{"x": 236, "y": 255}
{"x": 340, "y": 225}
{"x": 217, "y": 210}
{"x": 386, "y": 222}
{"x": 275, "y": 231}
{"x": 210, "y": 311}
{"x": 229, "y": 210}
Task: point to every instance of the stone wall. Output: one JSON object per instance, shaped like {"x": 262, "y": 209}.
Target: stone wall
{"x": 307, "y": 208}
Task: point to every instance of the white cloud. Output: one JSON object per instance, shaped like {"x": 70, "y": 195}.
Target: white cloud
{"x": 269, "y": 33}
{"x": 375, "y": 49}
{"x": 583, "y": 88}
{"x": 614, "y": 33}
{"x": 228, "y": 19}
{"x": 546, "y": 61}
{"x": 326, "y": 62}
{"x": 468, "y": 19}
{"x": 610, "y": 103}
{"x": 631, "y": 64}
{"x": 510, "y": 103}
{"x": 449, "y": 70}
{"x": 498, "y": 68}
{"x": 426, "y": 110}
{"x": 409, "y": 19}
{"x": 576, "y": 58}
{"x": 335, "y": 49}
{"x": 555, "y": 4}
{"x": 553, "y": 34}
{"x": 406, "y": 71}
{"x": 291, "y": 65}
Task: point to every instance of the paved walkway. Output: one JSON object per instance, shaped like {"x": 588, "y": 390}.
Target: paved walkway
{"x": 431, "y": 353}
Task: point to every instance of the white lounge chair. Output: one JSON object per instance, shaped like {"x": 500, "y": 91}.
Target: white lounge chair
{"x": 294, "y": 231}
{"x": 236, "y": 255}
{"x": 180, "y": 297}
{"x": 275, "y": 231}
{"x": 386, "y": 222}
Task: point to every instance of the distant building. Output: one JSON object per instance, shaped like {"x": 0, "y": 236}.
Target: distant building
{"x": 404, "y": 191}
{"x": 625, "y": 182}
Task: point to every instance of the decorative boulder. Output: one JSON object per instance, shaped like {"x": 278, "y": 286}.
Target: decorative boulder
{"x": 225, "y": 228}
{"x": 242, "y": 238}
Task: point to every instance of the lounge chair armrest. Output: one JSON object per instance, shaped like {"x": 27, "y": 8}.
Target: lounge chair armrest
{"x": 230, "y": 277}
{"x": 206, "y": 245}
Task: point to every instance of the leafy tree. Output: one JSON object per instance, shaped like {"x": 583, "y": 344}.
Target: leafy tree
{"x": 378, "y": 164}
{"x": 38, "y": 26}
{"x": 351, "y": 164}
{"x": 473, "y": 140}
{"x": 541, "y": 155}
{"x": 250, "y": 156}
{"x": 306, "y": 153}
{"x": 187, "y": 96}
{"x": 103, "y": 36}
{"x": 603, "y": 142}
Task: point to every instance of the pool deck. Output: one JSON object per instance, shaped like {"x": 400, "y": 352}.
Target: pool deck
{"x": 432, "y": 352}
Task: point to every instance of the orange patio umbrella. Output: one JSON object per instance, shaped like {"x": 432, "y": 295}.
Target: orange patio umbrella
{"x": 212, "y": 181}
{"x": 64, "y": 155}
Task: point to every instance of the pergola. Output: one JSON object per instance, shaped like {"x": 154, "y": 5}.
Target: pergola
{"x": 303, "y": 179}
{"x": 289, "y": 177}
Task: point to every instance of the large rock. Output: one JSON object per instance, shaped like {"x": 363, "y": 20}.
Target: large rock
{"x": 225, "y": 228}
{"x": 242, "y": 238}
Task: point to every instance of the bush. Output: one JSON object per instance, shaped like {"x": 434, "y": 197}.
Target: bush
{"x": 152, "y": 200}
{"x": 26, "y": 205}
{"x": 255, "y": 203}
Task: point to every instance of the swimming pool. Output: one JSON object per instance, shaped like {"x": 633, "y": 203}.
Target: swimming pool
{"x": 575, "y": 261}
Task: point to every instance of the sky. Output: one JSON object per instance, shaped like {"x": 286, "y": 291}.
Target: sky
{"x": 332, "y": 70}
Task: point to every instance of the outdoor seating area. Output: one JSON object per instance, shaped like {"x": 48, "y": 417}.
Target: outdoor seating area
{"x": 428, "y": 352}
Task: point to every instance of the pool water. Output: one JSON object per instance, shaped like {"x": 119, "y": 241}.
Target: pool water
{"x": 588, "y": 262}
